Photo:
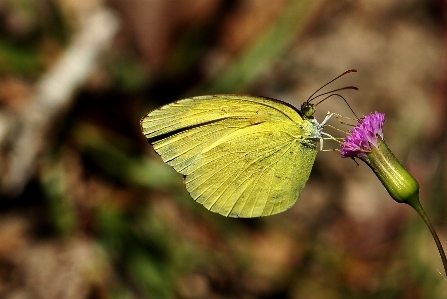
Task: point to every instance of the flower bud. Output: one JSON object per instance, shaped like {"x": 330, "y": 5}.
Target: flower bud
{"x": 399, "y": 183}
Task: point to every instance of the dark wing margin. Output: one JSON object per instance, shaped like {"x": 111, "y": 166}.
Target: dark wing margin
{"x": 162, "y": 136}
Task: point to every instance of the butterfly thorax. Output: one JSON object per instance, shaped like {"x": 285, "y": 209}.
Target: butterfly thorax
{"x": 311, "y": 131}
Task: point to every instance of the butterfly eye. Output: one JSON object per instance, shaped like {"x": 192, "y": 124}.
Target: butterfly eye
{"x": 307, "y": 110}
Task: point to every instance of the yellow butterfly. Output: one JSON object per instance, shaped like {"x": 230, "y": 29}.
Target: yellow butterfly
{"x": 241, "y": 156}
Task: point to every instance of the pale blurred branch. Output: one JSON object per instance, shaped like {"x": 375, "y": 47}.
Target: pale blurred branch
{"x": 53, "y": 96}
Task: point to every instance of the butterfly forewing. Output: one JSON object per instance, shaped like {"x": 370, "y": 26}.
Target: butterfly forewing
{"x": 242, "y": 156}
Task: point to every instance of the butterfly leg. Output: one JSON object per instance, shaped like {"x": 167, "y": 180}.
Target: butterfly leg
{"x": 325, "y": 120}
{"x": 323, "y": 124}
{"x": 327, "y": 117}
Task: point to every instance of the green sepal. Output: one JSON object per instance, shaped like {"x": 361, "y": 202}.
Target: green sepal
{"x": 399, "y": 183}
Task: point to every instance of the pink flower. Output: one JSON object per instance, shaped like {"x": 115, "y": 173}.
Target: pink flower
{"x": 366, "y": 133}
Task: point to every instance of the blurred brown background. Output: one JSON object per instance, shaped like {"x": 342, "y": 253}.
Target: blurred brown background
{"x": 88, "y": 210}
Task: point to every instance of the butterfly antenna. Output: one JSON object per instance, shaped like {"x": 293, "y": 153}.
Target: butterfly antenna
{"x": 347, "y": 72}
{"x": 332, "y": 91}
{"x": 336, "y": 94}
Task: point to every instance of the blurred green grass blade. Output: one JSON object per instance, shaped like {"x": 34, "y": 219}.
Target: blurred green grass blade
{"x": 61, "y": 209}
{"x": 128, "y": 75}
{"x": 145, "y": 257}
{"x": 151, "y": 277}
{"x": 190, "y": 47}
{"x": 263, "y": 52}
{"x": 112, "y": 157}
{"x": 121, "y": 291}
{"x": 19, "y": 60}
{"x": 113, "y": 229}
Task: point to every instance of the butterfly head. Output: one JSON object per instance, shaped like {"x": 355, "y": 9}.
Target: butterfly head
{"x": 307, "y": 110}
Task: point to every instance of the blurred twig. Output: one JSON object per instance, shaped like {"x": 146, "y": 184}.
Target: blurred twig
{"x": 54, "y": 94}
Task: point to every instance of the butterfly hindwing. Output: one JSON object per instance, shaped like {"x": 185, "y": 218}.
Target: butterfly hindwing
{"x": 258, "y": 172}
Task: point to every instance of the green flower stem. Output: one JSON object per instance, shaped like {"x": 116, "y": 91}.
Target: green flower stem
{"x": 415, "y": 204}
{"x": 400, "y": 184}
